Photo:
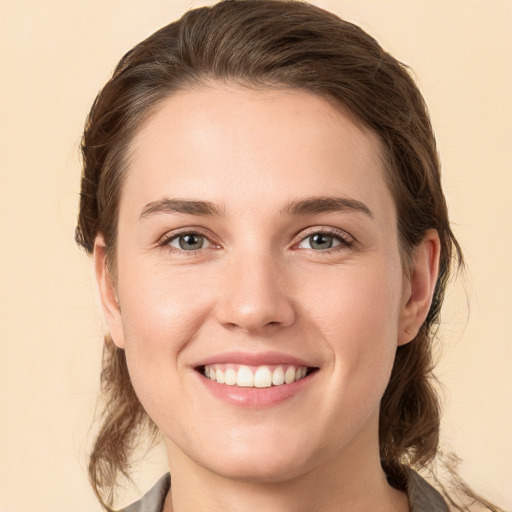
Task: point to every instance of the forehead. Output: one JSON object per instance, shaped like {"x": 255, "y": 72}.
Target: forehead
{"x": 232, "y": 144}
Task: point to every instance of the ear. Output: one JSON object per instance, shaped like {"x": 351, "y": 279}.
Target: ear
{"x": 419, "y": 287}
{"x": 108, "y": 294}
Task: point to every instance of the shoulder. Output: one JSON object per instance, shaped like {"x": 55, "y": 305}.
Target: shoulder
{"x": 153, "y": 500}
{"x": 422, "y": 496}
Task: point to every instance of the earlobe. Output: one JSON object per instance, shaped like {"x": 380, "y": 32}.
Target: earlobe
{"x": 419, "y": 287}
{"x": 108, "y": 293}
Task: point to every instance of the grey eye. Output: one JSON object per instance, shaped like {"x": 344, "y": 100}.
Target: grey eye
{"x": 189, "y": 242}
{"x": 319, "y": 242}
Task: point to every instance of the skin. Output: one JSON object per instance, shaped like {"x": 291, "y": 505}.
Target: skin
{"x": 258, "y": 285}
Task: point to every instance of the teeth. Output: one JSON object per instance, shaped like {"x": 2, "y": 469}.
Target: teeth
{"x": 230, "y": 377}
{"x": 278, "y": 376}
{"x": 263, "y": 377}
{"x": 245, "y": 377}
{"x": 259, "y": 377}
{"x": 290, "y": 375}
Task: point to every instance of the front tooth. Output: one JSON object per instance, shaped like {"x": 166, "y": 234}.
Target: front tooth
{"x": 289, "y": 376}
{"x": 245, "y": 378}
{"x": 263, "y": 377}
{"x": 220, "y": 376}
{"x": 230, "y": 377}
{"x": 278, "y": 376}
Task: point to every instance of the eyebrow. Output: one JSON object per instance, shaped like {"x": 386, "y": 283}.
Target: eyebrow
{"x": 190, "y": 207}
{"x": 324, "y": 204}
{"x": 306, "y": 206}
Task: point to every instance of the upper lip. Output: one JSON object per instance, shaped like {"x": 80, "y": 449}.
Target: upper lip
{"x": 254, "y": 359}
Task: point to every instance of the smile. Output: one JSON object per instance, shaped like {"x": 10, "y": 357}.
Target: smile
{"x": 255, "y": 376}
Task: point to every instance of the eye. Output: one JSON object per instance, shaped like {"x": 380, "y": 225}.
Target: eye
{"x": 321, "y": 241}
{"x": 189, "y": 242}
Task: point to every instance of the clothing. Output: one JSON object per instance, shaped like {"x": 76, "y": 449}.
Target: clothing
{"x": 153, "y": 500}
{"x": 422, "y": 496}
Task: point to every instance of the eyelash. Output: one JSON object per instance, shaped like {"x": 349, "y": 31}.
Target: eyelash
{"x": 345, "y": 240}
{"x": 169, "y": 237}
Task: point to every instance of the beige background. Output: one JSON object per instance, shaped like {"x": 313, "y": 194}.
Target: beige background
{"x": 54, "y": 57}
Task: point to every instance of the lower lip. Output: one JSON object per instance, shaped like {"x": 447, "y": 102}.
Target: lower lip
{"x": 256, "y": 398}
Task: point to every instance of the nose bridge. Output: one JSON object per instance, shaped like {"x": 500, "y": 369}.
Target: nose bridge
{"x": 255, "y": 294}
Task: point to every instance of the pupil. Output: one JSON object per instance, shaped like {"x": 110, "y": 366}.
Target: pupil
{"x": 320, "y": 241}
{"x": 191, "y": 242}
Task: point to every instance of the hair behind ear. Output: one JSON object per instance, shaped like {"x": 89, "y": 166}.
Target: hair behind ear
{"x": 410, "y": 411}
{"x": 123, "y": 421}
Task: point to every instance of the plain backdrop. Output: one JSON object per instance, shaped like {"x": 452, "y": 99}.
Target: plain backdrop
{"x": 55, "y": 55}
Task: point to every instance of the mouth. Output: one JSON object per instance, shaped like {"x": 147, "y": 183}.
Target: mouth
{"x": 263, "y": 376}
{"x": 256, "y": 380}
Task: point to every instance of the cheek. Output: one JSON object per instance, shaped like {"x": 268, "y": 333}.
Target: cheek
{"x": 356, "y": 311}
{"x": 364, "y": 298}
{"x": 161, "y": 311}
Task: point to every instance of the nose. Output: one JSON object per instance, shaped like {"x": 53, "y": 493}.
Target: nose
{"x": 254, "y": 295}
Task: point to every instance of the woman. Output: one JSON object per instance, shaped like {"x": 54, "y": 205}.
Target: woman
{"x": 261, "y": 194}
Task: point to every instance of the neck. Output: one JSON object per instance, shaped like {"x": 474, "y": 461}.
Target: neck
{"x": 351, "y": 480}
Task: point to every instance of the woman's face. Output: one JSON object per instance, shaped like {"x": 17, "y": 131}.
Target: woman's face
{"x": 257, "y": 243}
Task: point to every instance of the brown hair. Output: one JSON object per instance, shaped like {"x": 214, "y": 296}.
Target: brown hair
{"x": 295, "y": 45}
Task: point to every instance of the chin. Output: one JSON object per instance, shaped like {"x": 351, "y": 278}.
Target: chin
{"x": 263, "y": 459}
{"x": 259, "y": 469}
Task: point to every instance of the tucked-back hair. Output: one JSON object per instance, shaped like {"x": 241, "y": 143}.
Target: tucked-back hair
{"x": 273, "y": 43}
